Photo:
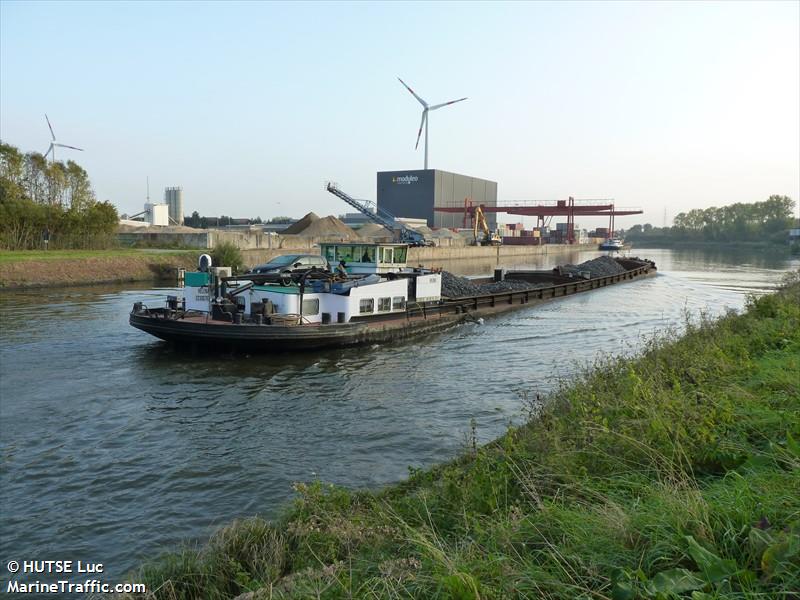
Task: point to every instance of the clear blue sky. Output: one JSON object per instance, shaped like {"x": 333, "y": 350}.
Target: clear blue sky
{"x": 251, "y": 107}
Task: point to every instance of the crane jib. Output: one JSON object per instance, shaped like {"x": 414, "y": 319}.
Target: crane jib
{"x": 386, "y": 219}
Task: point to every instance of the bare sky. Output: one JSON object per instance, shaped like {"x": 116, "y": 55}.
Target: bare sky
{"x": 251, "y": 107}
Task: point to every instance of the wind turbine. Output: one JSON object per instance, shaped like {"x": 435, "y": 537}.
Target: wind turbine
{"x": 424, "y": 123}
{"x": 54, "y": 143}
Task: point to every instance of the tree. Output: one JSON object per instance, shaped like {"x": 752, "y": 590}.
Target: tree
{"x": 193, "y": 221}
{"x": 36, "y": 195}
{"x": 754, "y": 221}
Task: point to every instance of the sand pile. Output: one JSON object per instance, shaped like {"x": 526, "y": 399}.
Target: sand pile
{"x": 329, "y": 227}
{"x": 300, "y": 225}
{"x": 373, "y": 231}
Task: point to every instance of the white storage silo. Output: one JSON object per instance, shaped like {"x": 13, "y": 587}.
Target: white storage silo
{"x": 173, "y": 197}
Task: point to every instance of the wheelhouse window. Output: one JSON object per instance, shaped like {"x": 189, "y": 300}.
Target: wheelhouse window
{"x": 366, "y": 305}
{"x": 398, "y": 303}
{"x": 400, "y": 255}
{"x": 368, "y": 254}
{"x": 330, "y": 254}
{"x": 347, "y": 254}
{"x": 387, "y": 255}
{"x": 384, "y": 304}
{"x": 311, "y": 306}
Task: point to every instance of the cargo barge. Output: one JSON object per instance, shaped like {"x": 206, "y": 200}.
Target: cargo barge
{"x": 380, "y": 300}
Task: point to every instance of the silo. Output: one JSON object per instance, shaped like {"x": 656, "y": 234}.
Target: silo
{"x": 173, "y": 197}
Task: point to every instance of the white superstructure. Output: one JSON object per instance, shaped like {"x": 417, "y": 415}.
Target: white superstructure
{"x": 379, "y": 284}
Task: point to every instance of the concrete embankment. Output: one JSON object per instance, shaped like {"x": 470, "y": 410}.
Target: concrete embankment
{"x": 112, "y": 266}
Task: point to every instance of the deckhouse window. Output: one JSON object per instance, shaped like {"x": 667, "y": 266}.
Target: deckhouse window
{"x": 311, "y": 306}
{"x": 366, "y": 305}
{"x": 398, "y": 303}
{"x": 384, "y": 304}
{"x": 330, "y": 254}
{"x": 400, "y": 255}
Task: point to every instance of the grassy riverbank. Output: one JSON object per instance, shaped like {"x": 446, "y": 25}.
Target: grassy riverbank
{"x": 38, "y": 268}
{"x": 671, "y": 474}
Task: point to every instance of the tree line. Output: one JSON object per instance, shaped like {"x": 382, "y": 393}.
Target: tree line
{"x": 195, "y": 220}
{"x": 50, "y": 204}
{"x": 766, "y": 221}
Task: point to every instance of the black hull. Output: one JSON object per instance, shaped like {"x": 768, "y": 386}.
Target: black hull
{"x": 417, "y": 321}
{"x": 271, "y": 338}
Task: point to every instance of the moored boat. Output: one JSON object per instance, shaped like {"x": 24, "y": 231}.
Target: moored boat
{"x": 613, "y": 244}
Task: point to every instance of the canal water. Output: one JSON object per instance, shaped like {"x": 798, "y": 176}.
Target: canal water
{"x": 115, "y": 447}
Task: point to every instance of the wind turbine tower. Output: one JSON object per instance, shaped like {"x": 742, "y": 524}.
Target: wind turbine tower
{"x": 426, "y": 108}
{"x": 54, "y": 143}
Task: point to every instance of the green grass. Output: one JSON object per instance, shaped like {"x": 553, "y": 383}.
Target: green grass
{"x": 8, "y": 256}
{"x": 673, "y": 474}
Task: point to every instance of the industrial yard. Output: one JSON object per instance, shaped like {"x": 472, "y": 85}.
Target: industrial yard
{"x": 427, "y": 207}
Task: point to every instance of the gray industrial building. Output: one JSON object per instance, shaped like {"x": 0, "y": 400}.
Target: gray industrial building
{"x": 173, "y": 198}
{"x": 414, "y": 194}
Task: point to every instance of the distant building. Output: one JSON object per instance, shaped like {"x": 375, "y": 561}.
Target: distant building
{"x": 416, "y": 194}
{"x": 413, "y": 223}
{"x": 173, "y": 198}
{"x": 156, "y": 214}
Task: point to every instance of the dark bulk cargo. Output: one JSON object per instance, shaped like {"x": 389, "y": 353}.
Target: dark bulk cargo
{"x": 414, "y": 194}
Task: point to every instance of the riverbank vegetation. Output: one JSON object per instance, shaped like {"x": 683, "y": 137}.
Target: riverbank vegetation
{"x": 672, "y": 474}
{"x": 50, "y": 205}
{"x": 227, "y": 254}
{"x": 764, "y": 222}
{"x": 53, "y": 268}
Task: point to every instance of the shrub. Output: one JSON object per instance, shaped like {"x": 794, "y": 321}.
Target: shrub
{"x": 228, "y": 255}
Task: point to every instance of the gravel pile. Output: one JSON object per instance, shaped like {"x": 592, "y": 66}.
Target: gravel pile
{"x": 373, "y": 231}
{"x": 454, "y": 286}
{"x": 597, "y": 267}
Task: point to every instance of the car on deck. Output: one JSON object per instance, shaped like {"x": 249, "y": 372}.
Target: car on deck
{"x": 293, "y": 263}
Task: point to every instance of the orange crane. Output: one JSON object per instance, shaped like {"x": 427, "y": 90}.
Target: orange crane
{"x": 490, "y": 238}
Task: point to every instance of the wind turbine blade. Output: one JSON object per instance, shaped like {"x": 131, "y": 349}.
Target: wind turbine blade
{"x": 65, "y": 146}
{"x": 48, "y": 151}
{"x": 446, "y": 104}
{"x": 421, "y": 125}
{"x": 50, "y": 126}
{"x": 421, "y": 101}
